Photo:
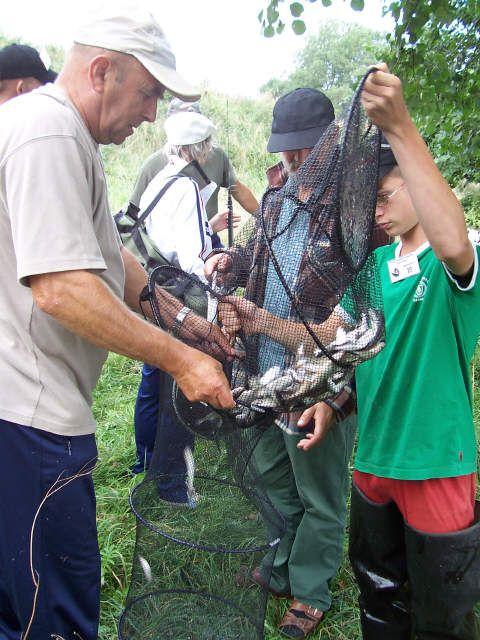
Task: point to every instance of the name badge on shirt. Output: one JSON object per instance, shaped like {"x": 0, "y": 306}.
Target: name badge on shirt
{"x": 403, "y": 267}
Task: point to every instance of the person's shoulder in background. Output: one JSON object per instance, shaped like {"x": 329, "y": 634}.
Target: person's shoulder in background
{"x": 157, "y": 161}
{"x": 152, "y": 165}
{"x": 219, "y": 168}
{"x": 43, "y": 113}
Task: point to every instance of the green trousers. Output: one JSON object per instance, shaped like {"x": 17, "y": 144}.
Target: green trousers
{"x": 310, "y": 489}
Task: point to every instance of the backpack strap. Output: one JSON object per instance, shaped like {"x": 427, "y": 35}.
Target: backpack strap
{"x": 154, "y": 203}
{"x": 200, "y": 220}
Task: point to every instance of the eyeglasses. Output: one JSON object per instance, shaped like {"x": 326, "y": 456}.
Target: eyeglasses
{"x": 384, "y": 198}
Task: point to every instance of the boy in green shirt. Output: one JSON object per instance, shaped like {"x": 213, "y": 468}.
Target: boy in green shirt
{"x": 414, "y": 532}
{"x": 413, "y": 500}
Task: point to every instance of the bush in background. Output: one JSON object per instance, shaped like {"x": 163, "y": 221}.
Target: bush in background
{"x": 470, "y": 198}
{"x": 243, "y": 127}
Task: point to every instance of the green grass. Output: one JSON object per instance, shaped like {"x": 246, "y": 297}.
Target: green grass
{"x": 114, "y": 401}
{"x": 113, "y": 407}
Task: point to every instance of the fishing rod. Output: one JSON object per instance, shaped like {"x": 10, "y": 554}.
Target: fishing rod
{"x": 229, "y": 190}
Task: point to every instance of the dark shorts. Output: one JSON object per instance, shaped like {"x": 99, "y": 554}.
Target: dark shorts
{"x": 49, "y": 556}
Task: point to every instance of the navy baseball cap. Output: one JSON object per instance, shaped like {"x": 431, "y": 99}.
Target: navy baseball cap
{"x": 387, "y": 159}
{"x": 299, "y": 119}
{"x": 22, "y": 61}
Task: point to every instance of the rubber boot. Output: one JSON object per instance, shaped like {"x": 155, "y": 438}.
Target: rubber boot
{"x": 444, "y": 572}
{"x": 377, "y": 555}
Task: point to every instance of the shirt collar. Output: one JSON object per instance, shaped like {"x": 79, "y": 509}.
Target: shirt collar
{"x": 59, "y": 94}
{"x": 176, "y": 162}
{"x": 417, "y": 251}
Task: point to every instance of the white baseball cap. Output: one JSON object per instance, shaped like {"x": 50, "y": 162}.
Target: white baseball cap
{"x": 139, "y": 34}
{"x": 188, "y": 127}
{"x": 176, "y": 106}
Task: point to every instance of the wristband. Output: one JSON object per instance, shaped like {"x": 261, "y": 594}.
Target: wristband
{"x": 179, "y": 320}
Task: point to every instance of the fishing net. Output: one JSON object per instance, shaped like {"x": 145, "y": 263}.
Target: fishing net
{"x": 194, "y": 561}
{"x": 299, "y": 297}
{"x": 192, "y": 566}
{"x": 299, "y": 290}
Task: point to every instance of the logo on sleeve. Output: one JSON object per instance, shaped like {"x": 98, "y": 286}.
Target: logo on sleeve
{"x": 421, "y": 289}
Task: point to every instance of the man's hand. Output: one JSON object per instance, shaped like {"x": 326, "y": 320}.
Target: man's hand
{"x": 219, "y": 264}
{"x": 323, "y": 416}
{"x": 219, "y": 222}
{"x": 237, "y": 314}
{"x": 203, "y": 380}
{"x": 206, "y": 336}
{"x": 382, "y": 98}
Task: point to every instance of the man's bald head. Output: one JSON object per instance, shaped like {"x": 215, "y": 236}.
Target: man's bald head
{"x": 113, "y": 91}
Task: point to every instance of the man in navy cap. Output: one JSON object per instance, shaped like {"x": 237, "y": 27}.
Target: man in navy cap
{"x": 21, "y": 71}
{"x": 307, "y": 485}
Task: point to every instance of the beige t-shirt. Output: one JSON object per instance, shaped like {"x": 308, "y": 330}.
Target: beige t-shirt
{"x": 54, "y": 216}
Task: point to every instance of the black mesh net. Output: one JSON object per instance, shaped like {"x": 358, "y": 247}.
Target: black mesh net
{"x": 298, "y": 296}
{"x": 192, "y": 569}
{"x": 194, "y": 561}
{"x": 298, "y": 293}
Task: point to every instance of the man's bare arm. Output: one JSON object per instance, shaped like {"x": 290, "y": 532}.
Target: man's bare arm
{"x": 194, "y": 330}
{"x": 244, "y": 197}
{"x": 82, "y": 303}
{"x": 237, "y": 314}
{"x": 135, "y": 280}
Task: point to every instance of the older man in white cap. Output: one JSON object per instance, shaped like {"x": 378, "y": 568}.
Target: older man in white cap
{"x": 65, "y": 282}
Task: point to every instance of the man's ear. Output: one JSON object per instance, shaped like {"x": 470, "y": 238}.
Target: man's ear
{"x": 20, "y": 87}
{"x": 98, "y": 72}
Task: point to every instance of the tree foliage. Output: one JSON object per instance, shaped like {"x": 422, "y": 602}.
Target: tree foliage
{"x": 332, "y": 61}
{"x": 275, "y": 15}
{"x": 439, "y": 62}
{"x": 435, "y": 49}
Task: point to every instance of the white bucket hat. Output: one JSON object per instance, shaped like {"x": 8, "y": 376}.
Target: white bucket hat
{"x": 140, "y": 35}
{"x": 188, "y": 127}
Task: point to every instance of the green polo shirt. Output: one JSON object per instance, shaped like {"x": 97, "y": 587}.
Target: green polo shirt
{"x": 415, "y": 396}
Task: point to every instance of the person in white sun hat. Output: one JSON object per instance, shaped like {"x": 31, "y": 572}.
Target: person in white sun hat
{"x": 66, "y": 284}
{"x": 178, "y": 227}
{"x": 218, "y": 167}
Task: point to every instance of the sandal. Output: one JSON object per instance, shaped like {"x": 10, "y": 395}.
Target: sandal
{"x": 300, "y": 620}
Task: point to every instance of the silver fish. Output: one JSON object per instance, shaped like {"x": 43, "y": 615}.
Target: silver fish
{"x": 312, "y": 378}
{"x": 190, "y": 467}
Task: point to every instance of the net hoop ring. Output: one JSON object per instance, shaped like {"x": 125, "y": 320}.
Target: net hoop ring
{"x": 271, "y": 544}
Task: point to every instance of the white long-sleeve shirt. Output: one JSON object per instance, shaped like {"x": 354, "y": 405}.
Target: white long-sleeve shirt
{"x": 177, "y": 226}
